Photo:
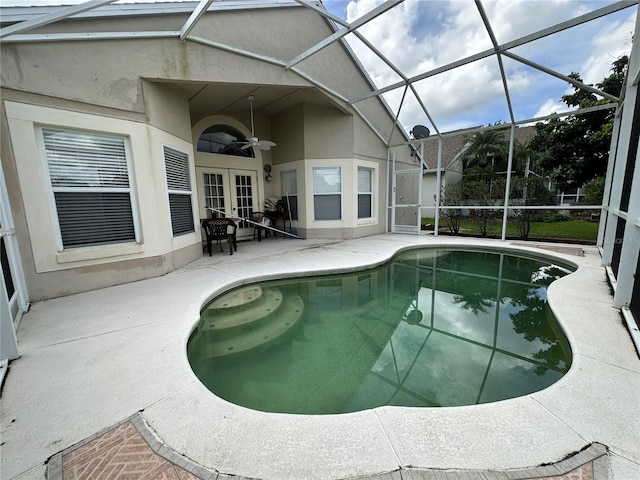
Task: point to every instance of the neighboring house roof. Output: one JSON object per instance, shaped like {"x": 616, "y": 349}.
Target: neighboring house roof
{"x": 453, "y": 144}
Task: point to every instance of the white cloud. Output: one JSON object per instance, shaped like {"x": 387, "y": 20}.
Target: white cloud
{"x": 609, "y": 44}
{"x": 418, "y": 36}
{"x": 551, "y": 106}
{"x": 421, "y": 36}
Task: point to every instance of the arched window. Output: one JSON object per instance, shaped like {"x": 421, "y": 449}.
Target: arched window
{"x": 224, "y": 140}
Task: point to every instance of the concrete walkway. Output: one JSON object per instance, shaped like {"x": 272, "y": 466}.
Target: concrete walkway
{"x": 91, "y": 361}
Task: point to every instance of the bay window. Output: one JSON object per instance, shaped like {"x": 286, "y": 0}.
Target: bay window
{"x": 327, "y": 193}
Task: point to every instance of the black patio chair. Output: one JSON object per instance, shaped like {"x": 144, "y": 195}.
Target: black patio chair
{"x": 220, "y": 229}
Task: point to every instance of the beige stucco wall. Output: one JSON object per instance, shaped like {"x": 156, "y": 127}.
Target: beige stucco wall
{"x": 122, "y": 87}
{"x": 167, "y": 109}
{"x": 151, "y": 209}
{"x": 147, "y": 162}
{"x": 328, "y": 133}
{"x": 288, "y": 132}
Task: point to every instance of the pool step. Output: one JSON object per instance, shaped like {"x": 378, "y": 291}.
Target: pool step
{"x": 247, "y": 318}
{"x": 224, "y": 319}
{"x": 236, "y": 299}
{"x": 284, "y": 320}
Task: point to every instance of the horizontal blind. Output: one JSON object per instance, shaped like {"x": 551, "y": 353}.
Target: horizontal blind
{"x": 327, "y": 207}
{"x": 94, "y": 218}
{"x": 90, "y": 180}
{"x": 177, "y": 166}
{"x": 179, "y": 186}
{"x": 289, "y": 183}
{"x": 364, "y": 205}
{"x": 326, "y": 180}
{"x": 181, "y": 213}
{"x": 364, "y": 180}
{"x": 364, "y": 192}
{"x": 79, "y": 159}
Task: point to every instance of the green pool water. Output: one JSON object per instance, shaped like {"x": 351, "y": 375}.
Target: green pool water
{"x": 430, "y": 328}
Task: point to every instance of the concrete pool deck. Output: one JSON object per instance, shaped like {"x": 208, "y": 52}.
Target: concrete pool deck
{"x": 93, "y": 360}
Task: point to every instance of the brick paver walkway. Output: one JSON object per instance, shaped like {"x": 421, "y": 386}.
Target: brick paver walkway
{"x": 129, "y": 451}
{"x": 120, "y": 453}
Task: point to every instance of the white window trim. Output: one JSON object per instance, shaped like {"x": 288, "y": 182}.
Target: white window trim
{"x": 313, "y": 193}
{"x": 374, "y": 167}
{"x": 50, "y": 193}
{"x": 370, "y": 193}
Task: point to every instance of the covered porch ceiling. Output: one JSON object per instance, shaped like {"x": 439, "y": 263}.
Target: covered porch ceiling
{"x": 232, "y": 99}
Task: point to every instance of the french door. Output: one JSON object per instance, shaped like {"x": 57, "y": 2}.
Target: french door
{"x": 234, "y": 192}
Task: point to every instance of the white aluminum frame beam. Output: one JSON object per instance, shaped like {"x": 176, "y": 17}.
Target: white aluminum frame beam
{"x": 494, "y": 41}
{"x": 71, "y": 37}
{"x": 580, "y": 111}
{"x": 506, "y": 46}
{"x": 53, "y": 17}
{"x": 358, "y": 35}
{"x": 266, "y": 59}
{"x": 570, "y": 80}
{"x": 200, "y": 10}
{"x": 395, "y": 120}
{"x": 367, "y": 17}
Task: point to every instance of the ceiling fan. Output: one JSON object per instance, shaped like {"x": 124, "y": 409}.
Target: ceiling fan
{"x": 253, "y": 140}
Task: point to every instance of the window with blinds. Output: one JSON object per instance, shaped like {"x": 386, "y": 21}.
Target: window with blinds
{"x": 179, "y": 189}
{"x": 327, "y": 193}
{"x": 289, "y": 189}
{"x": 365, "y": 192}
{"x": 90, "y": 180}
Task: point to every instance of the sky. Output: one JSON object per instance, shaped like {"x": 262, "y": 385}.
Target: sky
{"x": 419, "y": 35}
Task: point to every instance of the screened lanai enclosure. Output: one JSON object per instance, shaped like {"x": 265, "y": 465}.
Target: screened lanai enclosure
{"x": 441, "y": 71}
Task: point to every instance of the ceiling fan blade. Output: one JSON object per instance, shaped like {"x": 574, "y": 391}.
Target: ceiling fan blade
{"x": 265, "y": 144}
{"x": 246, "y": 145}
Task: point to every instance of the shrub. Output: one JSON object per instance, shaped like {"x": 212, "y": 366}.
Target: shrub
{"x": 594, "y": 191}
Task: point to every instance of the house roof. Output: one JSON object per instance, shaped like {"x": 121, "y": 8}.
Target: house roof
{"x": 453, "y": 144}
{"x": 17, "y": 21}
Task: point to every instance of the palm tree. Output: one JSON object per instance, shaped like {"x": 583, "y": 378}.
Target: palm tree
{"x": 481, "y": 148}
{"x": 524, "y": 157}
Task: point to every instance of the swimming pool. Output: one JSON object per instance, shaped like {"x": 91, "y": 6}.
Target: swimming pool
{"x": 431, "y": 327}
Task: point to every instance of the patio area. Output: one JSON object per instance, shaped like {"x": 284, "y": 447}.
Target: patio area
{"x": 106, "y": 371}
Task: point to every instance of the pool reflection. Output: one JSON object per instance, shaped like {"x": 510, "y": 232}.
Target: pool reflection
{"x": 431, "y": 328}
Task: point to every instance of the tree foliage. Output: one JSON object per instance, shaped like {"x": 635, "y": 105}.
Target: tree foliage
{"x": 575, "y": 149}
{"x": 481, "y": 149}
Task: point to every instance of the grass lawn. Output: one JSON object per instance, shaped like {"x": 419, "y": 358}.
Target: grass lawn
{"x": 581, "y": 231}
